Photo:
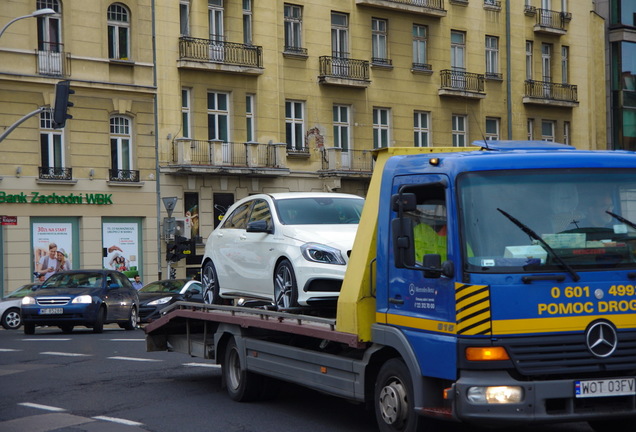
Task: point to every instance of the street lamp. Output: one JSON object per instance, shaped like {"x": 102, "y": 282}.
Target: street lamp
{"x": 37, "y": 13}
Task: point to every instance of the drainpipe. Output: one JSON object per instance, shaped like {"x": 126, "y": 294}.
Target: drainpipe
{"x": 156, "y": 118}
{"x": 508, "y": 72}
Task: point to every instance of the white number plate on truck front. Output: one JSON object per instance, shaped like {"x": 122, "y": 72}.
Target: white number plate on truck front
{"x": 51, "y": 311}
{"x": 606, "y": 387}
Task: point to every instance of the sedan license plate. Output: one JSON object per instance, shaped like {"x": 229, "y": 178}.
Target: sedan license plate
{"x": 52, "y": 311}
{"x": 605, "y": 387}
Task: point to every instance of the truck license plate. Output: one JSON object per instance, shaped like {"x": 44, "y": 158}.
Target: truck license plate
{"x": 605, "y": 387}
{"x": 51, "y": 311}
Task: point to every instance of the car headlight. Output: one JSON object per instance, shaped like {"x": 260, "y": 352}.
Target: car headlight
{"x": 162, "y": 300}
{"x": 28, "y": 301}
{"x": 320, "y": 253}
{"x": 83, "y": 299}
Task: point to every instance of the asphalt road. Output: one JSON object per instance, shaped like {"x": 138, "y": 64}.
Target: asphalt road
{"x": 85, "y": 382}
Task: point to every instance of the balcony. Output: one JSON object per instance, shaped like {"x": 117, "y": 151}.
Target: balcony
{"x": 549, "y": 93}
{"x": 218, "y": 157}
{"x": 55, "y": 173}
{"x": 493, "y": 5}
{"x": 218, "y": 55}
{"x": 432, "y": 8}
{"x": 551, "y": 22}
{"x": 459, "y": 83}
{"x": 342, "y": 71}
{"x": 53, "y": 62}
{"x": 124, "y": 176}
{"x": 347, "y": 163}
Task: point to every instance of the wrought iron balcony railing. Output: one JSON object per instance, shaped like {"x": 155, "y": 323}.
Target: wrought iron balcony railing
{"x": 129, "y": 176}
{"x": 359, "y": 161}
{"x": 552, "y": 19}
{"x": 215, "y": 153}
{"x": 55, "y": 173}
{"x": 342, "y": 67}
{"x": 551, "y": 91}
{"x": 218, "y": 51}
{"x": 53, "y": 63}
{"x": 453, "y": 79}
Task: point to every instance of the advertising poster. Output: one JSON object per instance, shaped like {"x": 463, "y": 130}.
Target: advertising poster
{"x": 121, "y": 246}
{"x": 52, "y": 249}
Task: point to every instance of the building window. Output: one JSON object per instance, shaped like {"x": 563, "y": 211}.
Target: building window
{"x": 295, "y": 125}
{"x": 341, "y": 127}
{"x": 546, "y": 62}
{"x": 120, "y": 143}
{"x": 218, "y": 116}
{"x": 566, "y": 132}
{"x": 293, "y": 28}
{"x": 528, "y": 60}
{"x": 458, "y": 49}
{"x": 492, "y": 57}
{"x": 247, "y": 22}
{"x": 565, "y": 65}
{"x": 215, "y": 20}
{"x": 51, "y": 143}
{"x": 379, "y": 41}
{"x": 420, "y": 34}
{"x": 547, "y": 130}
{"x": 530, "y": 129}
{"x": 381, "y": 127}
{"x": 118, "y": 32}
{"x": 186, "y": 114}
{"x": 492, "y": 128}
{"x": 623, "y": 12}
{"x": 421, "y": 131}
{"x": 459, "y": 130}
{"x": 50, "y": 27}
{"x": 339, "y": 35}
{"x": 249, "y": 118}
{"x": 184, "y": 17}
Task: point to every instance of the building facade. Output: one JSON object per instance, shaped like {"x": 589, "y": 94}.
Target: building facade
{"x": 88, "y": 188}
{"x": 259, "y": 96}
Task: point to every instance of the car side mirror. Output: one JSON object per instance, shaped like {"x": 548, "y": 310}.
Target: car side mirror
{"x": 187, "y": 295}
{"x": 113, "y": 286}
{"x": 258, "y": 226}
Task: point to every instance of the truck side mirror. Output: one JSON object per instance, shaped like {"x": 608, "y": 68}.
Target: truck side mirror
{"x": 403, "y": 202}
{"x": 433, "y": 265}
{"x": 403, "y": 244}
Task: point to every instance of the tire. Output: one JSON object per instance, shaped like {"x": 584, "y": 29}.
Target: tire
{"x": 67, "y": 328}
{"x": 12, "y": 319}
{"x": 29, "y": 328}
{"x": 131, "y": 324}
{"x": 625, "y": 424}
{"x": 241, "y": 385}
{"x": 393, "y": 399}
{"x": 285, "y": 286}
{"x": 210, "y": 282}
{"x": 98, "y": 325}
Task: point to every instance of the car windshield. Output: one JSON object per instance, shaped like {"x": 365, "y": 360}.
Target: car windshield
{"x": 548, "y": 220}
{"x": 319, "y": 211}
{"x": 21, "y": 292}
{"x": 163, "y": 286}
{"x": 74, "y": 280}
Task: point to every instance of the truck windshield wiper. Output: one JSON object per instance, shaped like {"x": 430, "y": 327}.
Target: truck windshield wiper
{"x": 621, "y": 219}
{"x": 526, "y": 229}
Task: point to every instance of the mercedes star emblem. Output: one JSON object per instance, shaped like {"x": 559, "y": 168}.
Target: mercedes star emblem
{"x": 601, "y": 339}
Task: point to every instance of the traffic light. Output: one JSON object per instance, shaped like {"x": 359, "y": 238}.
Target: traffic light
{"x": 60, "y": 115}
{"x": 179, "y": 249}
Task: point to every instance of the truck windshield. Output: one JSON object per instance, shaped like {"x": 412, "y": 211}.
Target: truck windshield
{"x": 548, "y": 220}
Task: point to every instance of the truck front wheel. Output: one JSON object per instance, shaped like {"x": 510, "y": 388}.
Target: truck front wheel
{"x": 394, "y": 399}
{"x": 242, "y": 386}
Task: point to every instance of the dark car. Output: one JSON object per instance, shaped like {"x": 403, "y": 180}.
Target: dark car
{"x": 10, "y": 306}
{"x": 88, "y": 298}
{"x": 157, "y": 295}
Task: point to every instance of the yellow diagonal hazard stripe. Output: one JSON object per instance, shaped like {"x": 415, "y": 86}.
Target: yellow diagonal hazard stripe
{"x": 472, "y": 309}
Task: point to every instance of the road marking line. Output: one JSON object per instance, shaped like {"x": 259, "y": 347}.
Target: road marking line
{"x": 64, "y": 354}
{"x": 134, "y": 359}
{"x": 125, "y": 340}
{"x": 118, "y": 420}
{"x": 8, "y": 350}
{"x": 208, "y": 365}
{"x": 42, "y": 407}
{"x": 45, "y": 339}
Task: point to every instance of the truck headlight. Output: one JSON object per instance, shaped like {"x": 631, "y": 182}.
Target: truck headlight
{"x": 495, "y": 395}
{"x": 83, "y": 299}
{"x": 28, "y": 301}
{"x": 321, "y": 253}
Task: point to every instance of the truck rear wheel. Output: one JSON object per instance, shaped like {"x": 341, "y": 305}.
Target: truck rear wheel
{"x": 242, "y": 386}
{"x": 393, "y": 399}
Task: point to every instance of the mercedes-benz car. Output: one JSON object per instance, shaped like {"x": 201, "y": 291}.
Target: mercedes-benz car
{"x": 290, "y": 249}
{"x": 88, "y": 298}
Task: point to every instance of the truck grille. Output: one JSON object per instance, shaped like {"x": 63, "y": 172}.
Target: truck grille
{"x": 568, "y": 355}
{"x": 53, "y": 301}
